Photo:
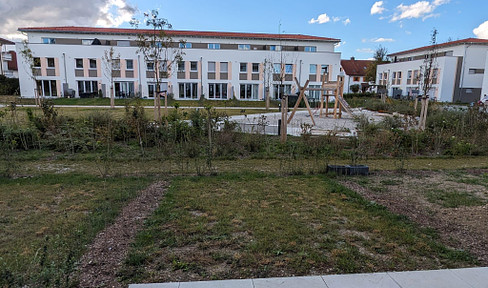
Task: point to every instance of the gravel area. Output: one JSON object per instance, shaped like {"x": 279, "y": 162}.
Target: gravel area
{"x": 346, "y": 126}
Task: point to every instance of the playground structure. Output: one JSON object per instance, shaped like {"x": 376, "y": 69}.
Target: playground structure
{"x": 329, "y": 89}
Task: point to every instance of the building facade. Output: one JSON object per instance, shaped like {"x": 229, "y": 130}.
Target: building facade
{"x": 355, "y": 72}
{"x": 69, "y": 61}
{"x": 459, "y": 74}
{"x": 8, "y": 59}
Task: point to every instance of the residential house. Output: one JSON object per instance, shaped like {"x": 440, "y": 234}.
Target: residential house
{"x": 216, "y": 65}
{"x": 8, "y": 59}
{"x": 355, "y": 74}
{"x": 458, "y": 76}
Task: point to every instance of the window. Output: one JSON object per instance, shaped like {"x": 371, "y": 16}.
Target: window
{"x": 47, "y": 88}
{"x": 409, "y": 77}
{"x": 249, "y": 91}
{"x": 275, "y": 48}
{"x": 314, "y": 94}
{"x": 193, "y": 66}
{"x": 123, "y": 43}
{"x": 48, "y": 41}
{"x": 279, "y": 90}
{"x": 181, "y": 66}
{"x": 435, "y": 73}
{"x": 185, "y": 45}
{"x": 213, "y": 46}
{"x": 310, "y": 49}
{"x": 211, "y": 67}
{"x": 313, "y": 68}
{"x": 255, "y": 67}
{"x": 217, "y": 91}
{"x": 277, "y": 68}
{"x": 416, "y": 77}
{"x": 124, "y": 89}
{"x": 116, "y": 64}
{"x": 93, "y": 63}
{"x": 288, "y": 68}
{"x": 86, "y": 42}
{"x": 244, "y": 47}
{"x": 87, "y": 87}
{"x": 243, "y": 67}
{"x": 224, "y": 67}
{"x": 150, "y": 66}
{"x": 476, "y": 71}
{"x": 129, "y": 63}
{"x": 50, "y": 62}
{"x": 356, "y": 79}
{"x": 324, "y": 69}
{"x": 188, "y": 90}
{"x": 79, "y": 63}
{"x": 151, "y": 88}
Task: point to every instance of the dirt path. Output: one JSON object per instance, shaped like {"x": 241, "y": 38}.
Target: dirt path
{"x": 104, "y": 257}
{"x": 462, "y": 227}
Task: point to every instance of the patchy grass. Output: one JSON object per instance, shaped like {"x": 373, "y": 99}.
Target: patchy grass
{"x": 259, "y": 225}
{"x": 47, "y": 220}
{"x": 453, "y": 199}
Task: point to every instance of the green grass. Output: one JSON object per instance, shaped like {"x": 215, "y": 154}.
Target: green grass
{"x": 242, "y": 225}
{"x": 47, "y": 220}
{"x": 453, "y": 199}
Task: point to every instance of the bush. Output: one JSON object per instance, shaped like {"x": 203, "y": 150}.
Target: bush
{"x": 9, "y": 86}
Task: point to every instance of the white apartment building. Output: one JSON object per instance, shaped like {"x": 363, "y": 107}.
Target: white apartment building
{"x": 216, "y": 65}
{"x": 459, "y": 75}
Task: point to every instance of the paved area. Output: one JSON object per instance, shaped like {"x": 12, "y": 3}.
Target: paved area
{"x": 452, "y": 278}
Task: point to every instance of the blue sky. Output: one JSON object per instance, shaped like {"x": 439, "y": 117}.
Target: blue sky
{"x": 396, "y": 25}
{"x": 362, "y": 25}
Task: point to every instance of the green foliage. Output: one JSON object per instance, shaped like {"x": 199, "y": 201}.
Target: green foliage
{"x": 9, "y": 86}
{"x": 355, "y": 88}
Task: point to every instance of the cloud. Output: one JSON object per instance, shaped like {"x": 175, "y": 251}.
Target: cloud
{"x": 382, "y": 40}
{"x": 336, "y": 19}
{"x": 377, "y": 8}
{"x": 420, "y": 9}
{"x": 365, "y": 50}
{"x": 482, "y": 31}
{"x": 347, "y": 21}
{"x": 39, "y": 13}
{"x": 323, "y": 18}
{"x": 340, "y": 44}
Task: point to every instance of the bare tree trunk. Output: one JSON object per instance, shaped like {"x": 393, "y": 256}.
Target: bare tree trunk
{"x": 267, "y": 98}
{"x": 112, "y": 97}
{"x": 284, "y": 120}
{"x": 156, "y": 118}
{"x": 416, "y": 103}
{"x": 426, "y": 109}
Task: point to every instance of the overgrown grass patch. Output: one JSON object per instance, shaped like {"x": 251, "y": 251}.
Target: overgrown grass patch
{"x": 453, "y": 199}
{"x": 260, "y": 225}
{"x": 47, "y": 220}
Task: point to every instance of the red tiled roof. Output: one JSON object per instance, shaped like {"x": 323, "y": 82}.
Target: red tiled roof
{"x": 12, "y": 65}
{"x": 128, "y": 31}
{"x": 447, "y": 44}
{"x": 6, "y": 42}
{"x": 355, "y": 67}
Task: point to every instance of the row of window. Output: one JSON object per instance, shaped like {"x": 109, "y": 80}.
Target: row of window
{"x": 413, "y": 77}
{"x": 185, "y": 45}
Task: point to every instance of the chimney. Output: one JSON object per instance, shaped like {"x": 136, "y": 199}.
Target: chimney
{"x": 352, "y": 58}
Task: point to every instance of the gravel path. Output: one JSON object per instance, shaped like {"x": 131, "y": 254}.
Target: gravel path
{"x": 105, "y": 255}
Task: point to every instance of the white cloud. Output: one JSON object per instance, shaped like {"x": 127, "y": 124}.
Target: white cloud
{"x": 420, "y": 9}
{"x": 377, "y": 8}
{"x": 482, "y": 31}
{"x": 365, "y": 50}
{"x": 323, "y": 18}
{"x": 340, "y": 44}
{"x": 347, "y": 21}
{"x": 382, "y": 40}
{"x": 39, "y": 13}
{"x": 336, "y": 19}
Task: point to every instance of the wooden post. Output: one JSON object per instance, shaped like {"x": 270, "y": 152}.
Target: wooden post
{"x": 112, "y": 97}
{"x": 284, "y": 112}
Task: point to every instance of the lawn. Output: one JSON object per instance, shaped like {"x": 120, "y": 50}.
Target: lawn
{"x": 242, "y": 225}
{"x": 46, "y": 221}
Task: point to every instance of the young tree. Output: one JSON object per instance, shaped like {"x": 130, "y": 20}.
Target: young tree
{"x": 111, "y": 62}
{"x": 33, "y": 63}
{"x": 268, "y": 78}
{"x": 427, "y": 76}
{"x": 380, "y": 57}
{"x": 158, "y": 47}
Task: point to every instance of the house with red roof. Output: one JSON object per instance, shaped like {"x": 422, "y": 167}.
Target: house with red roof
{"x": 216, "y": 65}
{"x": 8, "y": 59}
{"x": 355, "y": 73}
{"x": 460, "y": 73}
